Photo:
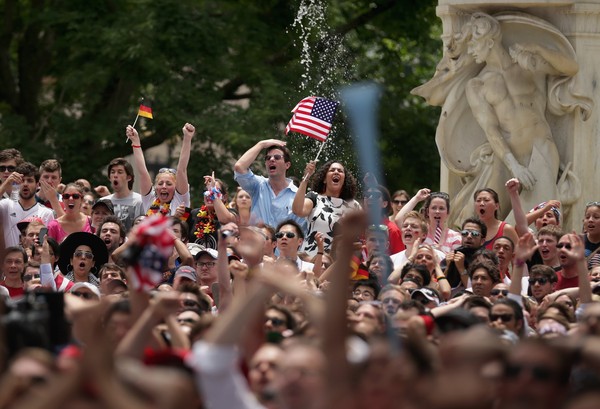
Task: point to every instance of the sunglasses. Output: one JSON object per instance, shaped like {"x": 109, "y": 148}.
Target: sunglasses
{"x": 564, "y": 245}
{"x": 288, "y": 234}
{"x": 87, "y": 296}
{"x": 275, "y": 321}
{"x": 541, "y": 280}
{"x": 473, "y": 233}
{"x": 29, "y": 277}
{"x": 167, "y": 170}
{"x": 439, "y": 194}
{"x": 503, "y": 317}
{"x": 84, "y": 254}
{"x": 208, "y": 264}
{"x": 588, "y": 204}
{"x": 75, "y": 196}
{"x": 538, "y": 372}
{"x": 402, "y": 202}
{"x": 498, "y": 292}
{"x": 89, "y": 202}
{"x": 275, "y": 157}
{"x": 7, "y": 168}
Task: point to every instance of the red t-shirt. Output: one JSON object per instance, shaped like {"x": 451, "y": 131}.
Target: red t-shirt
{"x": 563, "y": 282}
{"x": 13, "y": 291}
{"x": 394, "y": 236}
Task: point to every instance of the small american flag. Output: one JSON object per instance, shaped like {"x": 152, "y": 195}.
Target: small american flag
{"x": 313, "y": 117}
{"x": 156, "y": 242}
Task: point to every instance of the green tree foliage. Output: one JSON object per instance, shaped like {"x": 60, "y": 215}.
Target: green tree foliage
{"x": 72, "y": 73}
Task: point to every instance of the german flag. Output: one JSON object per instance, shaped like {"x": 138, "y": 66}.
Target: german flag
{"x": 359, "y": 271}
{"x": 145, "y": 110}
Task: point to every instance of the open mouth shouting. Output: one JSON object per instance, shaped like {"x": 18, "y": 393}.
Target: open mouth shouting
{"x": 163, "y": 195}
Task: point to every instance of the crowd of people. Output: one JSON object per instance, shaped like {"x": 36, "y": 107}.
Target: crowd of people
{"x": 286, "y": 294}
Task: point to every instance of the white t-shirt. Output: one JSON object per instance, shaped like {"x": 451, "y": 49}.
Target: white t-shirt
{"x": 177, "y": 200}
{"x": 400, "y": 259}
{"x": 12, "y": 213}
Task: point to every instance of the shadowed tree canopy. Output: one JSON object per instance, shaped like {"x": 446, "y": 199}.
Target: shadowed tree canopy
{"x": 72, "y": 74}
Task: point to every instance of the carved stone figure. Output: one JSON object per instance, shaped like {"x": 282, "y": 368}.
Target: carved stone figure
{"x": 498, "y": 81}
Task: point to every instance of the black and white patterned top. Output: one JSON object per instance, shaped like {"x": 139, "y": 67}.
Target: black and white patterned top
{"x": 326, "y": 212}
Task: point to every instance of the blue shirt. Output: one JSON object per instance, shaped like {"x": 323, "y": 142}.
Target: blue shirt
{"x": 269, "y": 208}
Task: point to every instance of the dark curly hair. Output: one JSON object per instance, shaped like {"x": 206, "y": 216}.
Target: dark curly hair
{"x": 318, "y": 181}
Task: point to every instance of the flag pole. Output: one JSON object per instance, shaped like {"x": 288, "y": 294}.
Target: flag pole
{"x": 135, "y": 121}
{"x": 317, "y": 158}
{"x": 320, "y": 149}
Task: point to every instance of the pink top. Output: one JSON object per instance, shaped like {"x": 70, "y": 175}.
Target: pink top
{"x": 57, "y": 233}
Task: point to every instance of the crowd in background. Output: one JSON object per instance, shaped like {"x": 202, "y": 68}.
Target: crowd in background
{"x": 316, "y": 293}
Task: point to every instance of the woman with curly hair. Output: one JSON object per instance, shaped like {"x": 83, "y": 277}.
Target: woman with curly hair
{"x": 333, "y": 191}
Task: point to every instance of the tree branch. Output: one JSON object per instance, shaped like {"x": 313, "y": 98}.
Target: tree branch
{"x": 363, "y": 18}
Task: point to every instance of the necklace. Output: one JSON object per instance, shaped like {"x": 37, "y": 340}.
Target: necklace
{"x": 206, "y": 223}
{"x": 156, "y": 206}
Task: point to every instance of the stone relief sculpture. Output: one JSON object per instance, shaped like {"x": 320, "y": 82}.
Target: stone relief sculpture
{"x": 499, "y": 80}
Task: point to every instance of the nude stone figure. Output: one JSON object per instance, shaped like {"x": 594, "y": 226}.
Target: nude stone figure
{"x": 509, "y": 91}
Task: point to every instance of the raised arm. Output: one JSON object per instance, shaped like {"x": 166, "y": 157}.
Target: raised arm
{"x": 421, "y": 195}
{"x": 523, "y": 251}
{"x": 223, "y": 214}
{"x": 181, "y": 184}
{"x": 138, "y": 161}
{"x": 243, "y": 164}
{"x": 512, "y": 186}
{"x": 301, "y": 205}
{"x": 577, "y": 253}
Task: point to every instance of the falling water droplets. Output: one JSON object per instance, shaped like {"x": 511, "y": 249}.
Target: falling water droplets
{"x": 325, "y": 66}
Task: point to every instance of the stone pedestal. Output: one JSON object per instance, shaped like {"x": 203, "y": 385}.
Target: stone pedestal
{"x": 577, "y": 140}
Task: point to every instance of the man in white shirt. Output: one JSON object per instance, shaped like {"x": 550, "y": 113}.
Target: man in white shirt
{"x": 12, "y": 212}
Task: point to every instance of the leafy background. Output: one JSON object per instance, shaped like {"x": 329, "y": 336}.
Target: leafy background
{"x": 72, "y": 73}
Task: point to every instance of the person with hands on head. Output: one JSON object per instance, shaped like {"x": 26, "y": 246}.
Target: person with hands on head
{"x": 414, "y": 231}
{"x": 436, "y": 211}
{"x": 333, "y": 191}
{"x": 272, "y": 196}
{"x": 171, "y": 187}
